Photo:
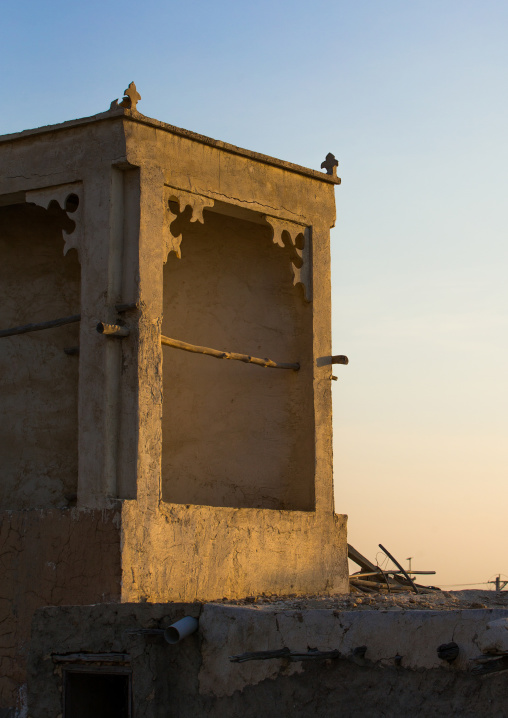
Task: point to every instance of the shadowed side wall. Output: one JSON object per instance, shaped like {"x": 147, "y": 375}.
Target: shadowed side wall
{"x": 196, "y": 677}
{"x": 234, "y": 434}
{"x": 39, "y": 382}
{"x": 53, "y": 557}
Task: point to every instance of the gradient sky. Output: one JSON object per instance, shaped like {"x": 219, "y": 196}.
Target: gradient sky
{"x": 411, "y": 97}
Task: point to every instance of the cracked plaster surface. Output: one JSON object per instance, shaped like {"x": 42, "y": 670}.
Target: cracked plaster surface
{"x": 196, "y": 677}
{"x": 61, "y": 557}
{"x": 414, "y": 635}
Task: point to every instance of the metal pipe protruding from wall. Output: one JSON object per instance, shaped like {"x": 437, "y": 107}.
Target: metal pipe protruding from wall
{"x": 181, "y": 629}
{"x": 112, "y": 330}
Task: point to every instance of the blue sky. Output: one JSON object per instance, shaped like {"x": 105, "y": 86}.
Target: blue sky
{"x": 411, "y": 97}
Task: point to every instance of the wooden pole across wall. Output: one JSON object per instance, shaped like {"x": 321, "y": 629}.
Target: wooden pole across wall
{"x": 268, "y": 363}
{"x": 25, "y": 328}
{"x": 167, "y": 341}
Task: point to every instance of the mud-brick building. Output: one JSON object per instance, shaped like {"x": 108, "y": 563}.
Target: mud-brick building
{"x": 133, "y": 471}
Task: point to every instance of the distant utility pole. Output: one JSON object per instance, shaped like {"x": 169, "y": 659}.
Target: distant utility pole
{"x": 409, "y": 559}
{"x": 500, "y": 583}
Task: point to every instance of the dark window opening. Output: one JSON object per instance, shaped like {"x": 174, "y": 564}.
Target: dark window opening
{"x": 97, "y": 695}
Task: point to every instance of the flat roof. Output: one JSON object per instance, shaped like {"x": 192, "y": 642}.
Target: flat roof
{"x": 135, "y": 116}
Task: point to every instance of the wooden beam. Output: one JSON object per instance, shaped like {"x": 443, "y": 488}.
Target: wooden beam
{"x": 91, "y": 658}
{"x": 370, "y": 569}
{"x": 284, "y": 653}
{"x": 363, "y": 562}
{"x": 268, "y": 363}
{"x": 340, "y": 359}
{"x": 394, "y": 572}
{"x": 24, "y": 329}
{"x": 378, "y": 585}
{"x": 398, "y": 566}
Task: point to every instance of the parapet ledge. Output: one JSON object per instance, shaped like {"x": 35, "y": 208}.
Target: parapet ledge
{"x": 118, "y": 111}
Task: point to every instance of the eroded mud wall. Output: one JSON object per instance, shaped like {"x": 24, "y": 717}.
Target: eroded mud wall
{"x": 168, "y": 680}
{"x": 39, "y": 382}
{"x": 189, "y": 553}
{"x": 50, "y": 558}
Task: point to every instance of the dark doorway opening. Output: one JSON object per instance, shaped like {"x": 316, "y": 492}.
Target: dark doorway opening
{"x": 97, "y": 695}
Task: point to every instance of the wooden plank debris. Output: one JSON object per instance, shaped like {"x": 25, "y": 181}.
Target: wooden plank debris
{"x": 398, "y": 566}
{"x": 369, "y": 569}
{"x": 364, "y": 563}
{"x": 377, "y": 585}
{"x": 374, "y": 579}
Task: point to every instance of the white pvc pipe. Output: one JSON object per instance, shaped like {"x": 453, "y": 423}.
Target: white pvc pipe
{"x": 181, "y": 629}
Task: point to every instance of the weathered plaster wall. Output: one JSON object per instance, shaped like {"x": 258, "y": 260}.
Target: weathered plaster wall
{"x": 51, "y": 557}
{"x": 414, "y": 635}
{"x": 170, "y": 551}
{"x": 39, "y": 382}
{"x": 196, "y": 677}
{"x": 90, "y": 157}
{"x": 193, "y": 163}
{"x": 204, "y": 553}
{"x": 168, "y": 160}
{"x": 109, "y": 628}
{"x": 236, "y": 435}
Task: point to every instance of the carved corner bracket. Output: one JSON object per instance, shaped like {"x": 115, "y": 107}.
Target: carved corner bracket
{"x": 184, "y": 198}
{"x": 297, "y": 240}
{"x": 69, "y": 198}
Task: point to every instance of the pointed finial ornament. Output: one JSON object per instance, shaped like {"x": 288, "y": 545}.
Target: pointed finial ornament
{"x": 330, "y": 164}
{"x": 131, "y": 97}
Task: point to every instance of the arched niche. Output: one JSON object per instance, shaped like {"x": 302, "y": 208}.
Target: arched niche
{"x": 234, "y": 434}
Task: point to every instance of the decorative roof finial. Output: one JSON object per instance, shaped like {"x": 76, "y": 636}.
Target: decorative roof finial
{"x": 330, "y": 165}
{"x": 131, "y": 97}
